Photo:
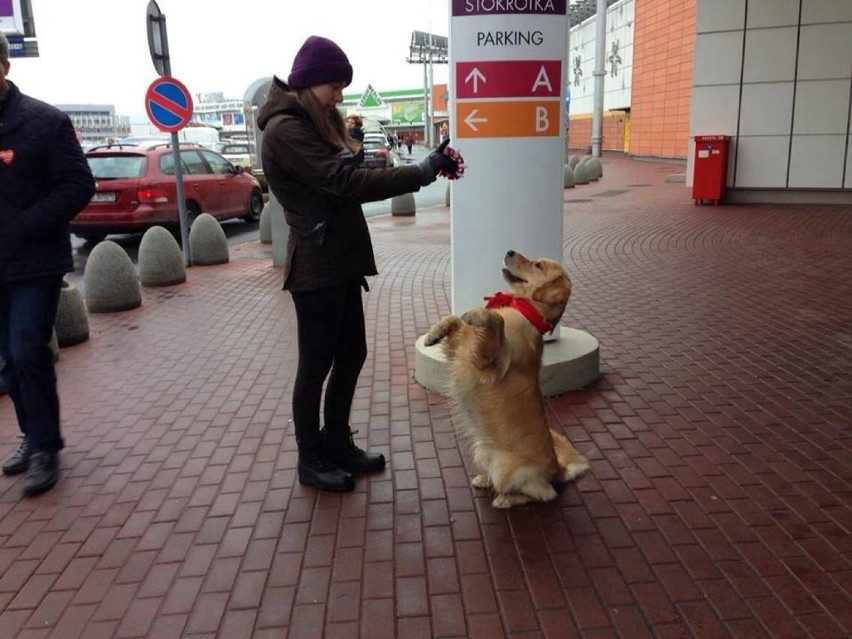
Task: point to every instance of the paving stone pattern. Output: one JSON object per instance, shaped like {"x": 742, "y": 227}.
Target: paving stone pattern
{"x": 717, "y": 505}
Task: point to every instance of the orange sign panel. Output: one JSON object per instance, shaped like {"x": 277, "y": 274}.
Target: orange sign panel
{"x": 514, "y": 119}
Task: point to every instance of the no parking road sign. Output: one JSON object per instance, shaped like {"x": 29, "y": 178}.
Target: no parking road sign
{"x": 169, "y": 104}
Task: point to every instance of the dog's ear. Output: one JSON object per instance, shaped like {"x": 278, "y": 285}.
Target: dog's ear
{"x": 554, "y": 291}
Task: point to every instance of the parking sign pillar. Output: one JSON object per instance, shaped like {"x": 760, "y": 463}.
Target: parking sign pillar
{"x": 507, "y": 105}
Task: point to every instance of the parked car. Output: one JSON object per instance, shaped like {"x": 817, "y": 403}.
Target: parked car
{"x": 376, "y": 153}
{"x": 136, "y": 189}
{"x": 238, "y": 154}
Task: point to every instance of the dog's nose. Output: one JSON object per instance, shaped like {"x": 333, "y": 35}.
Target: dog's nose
{"x": 510, "y": 253}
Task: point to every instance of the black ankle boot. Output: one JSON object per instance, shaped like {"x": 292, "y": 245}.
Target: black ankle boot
{"x": 43, "y": 472}
{"x": 341, "y": 449}
{"x": 20, "y": 461}
{"x": 316, "y": 470}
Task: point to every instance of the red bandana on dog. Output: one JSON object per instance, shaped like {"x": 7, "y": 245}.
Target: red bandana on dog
{"x": 507, "y": 300}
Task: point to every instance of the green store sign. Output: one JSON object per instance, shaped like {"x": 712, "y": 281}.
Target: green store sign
{"x": 407, "y": 113}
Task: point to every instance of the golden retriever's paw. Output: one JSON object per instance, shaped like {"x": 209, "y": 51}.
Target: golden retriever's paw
{"x": 483, "y": 318}
{"x": 433, "y": 337}
{"x": 507, "y": 500}
{"x": 575, "y": 469}
{"x": 544, "y": 492}
{"x": 480, "y": 481}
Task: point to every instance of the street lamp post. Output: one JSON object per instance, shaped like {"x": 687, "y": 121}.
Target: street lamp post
{"x": 428, "y": 49}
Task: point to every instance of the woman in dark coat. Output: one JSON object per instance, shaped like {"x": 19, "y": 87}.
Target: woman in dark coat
{"x": 307, "y": 162}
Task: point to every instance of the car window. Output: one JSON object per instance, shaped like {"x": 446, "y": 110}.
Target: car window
{"x": 113, "y": 167}
{"x": 193, "y": 164}
{"x": 220, "y": 165}
{"x": 167, "y": 164}
{"x": 373, "y": 144}
{"x": 236, "y": 149}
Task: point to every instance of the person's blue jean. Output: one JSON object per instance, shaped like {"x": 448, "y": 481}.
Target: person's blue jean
{"x": 27, "y": 314}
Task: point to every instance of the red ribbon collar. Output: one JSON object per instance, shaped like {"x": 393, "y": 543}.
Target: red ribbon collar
{"x": 525, "y": 308}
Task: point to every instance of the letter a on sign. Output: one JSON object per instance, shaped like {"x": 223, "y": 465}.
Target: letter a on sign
{"x": 542, "y": 79}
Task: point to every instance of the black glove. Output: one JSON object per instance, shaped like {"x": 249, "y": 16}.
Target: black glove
{"x": 436, "y": 162}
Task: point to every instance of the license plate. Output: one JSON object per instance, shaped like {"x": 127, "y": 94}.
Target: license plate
{"x": 104, "y": 196}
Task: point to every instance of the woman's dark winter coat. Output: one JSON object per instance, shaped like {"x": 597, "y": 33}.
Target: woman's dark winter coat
{"x": 44, "y": 182}
{"x": 322, "y": 195}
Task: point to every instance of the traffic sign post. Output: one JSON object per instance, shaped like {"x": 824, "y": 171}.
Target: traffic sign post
{"x": 508, "y": 103}
{"x": 169, "y": 107}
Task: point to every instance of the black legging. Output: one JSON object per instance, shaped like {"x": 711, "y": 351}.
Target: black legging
{"x": 331, "y": 338}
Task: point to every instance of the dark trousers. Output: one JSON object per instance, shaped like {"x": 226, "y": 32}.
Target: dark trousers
{"x": 331, "y": 338}
{"x": 27, "y": 314}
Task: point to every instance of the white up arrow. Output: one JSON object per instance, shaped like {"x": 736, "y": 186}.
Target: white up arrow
{"x": 475, "y": 75}
{"x": 471, "y": 121}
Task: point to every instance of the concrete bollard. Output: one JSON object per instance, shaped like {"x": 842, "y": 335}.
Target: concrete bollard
{"x": 447, "y": 195}
{"x": 110, "y": 281}
{"x": 280, "y": 232}
{"x": 72, "y": 321}
{"x": 581, "y": 173}
{"x": 572, "y": 161}
{"x": 597, "y": 164}
{"x": 266, "y": 225}
{"x": 161, "y": 262}
{"x": 403, "y": 205}
{"x": 207, "y": 241}
{"x": 567, "y": 177}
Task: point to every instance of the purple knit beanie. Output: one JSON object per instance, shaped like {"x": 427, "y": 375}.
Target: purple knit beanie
{"x": 319, "y": 61}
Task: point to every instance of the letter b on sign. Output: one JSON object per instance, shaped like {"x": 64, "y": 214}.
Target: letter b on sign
{"x": 541, "y": 121}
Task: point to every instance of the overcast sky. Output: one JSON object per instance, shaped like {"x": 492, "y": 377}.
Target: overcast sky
{"x": 96, "y": 51}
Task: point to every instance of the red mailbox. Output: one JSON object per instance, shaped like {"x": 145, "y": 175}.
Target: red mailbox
{"x": 711, "y": 167}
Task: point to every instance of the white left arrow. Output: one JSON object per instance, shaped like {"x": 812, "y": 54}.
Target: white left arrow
{"x": 472, "y": 121}
{"x": 475, "y": 76}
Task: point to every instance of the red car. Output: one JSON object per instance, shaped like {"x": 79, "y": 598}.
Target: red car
{"x": 136, "y": 189}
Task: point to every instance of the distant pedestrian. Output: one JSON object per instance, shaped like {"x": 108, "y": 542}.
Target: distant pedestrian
{"x": 409, "y": 142}
{"x": 355, "y": 128}
{"x": 329, "y": 251}
{"x": 44, "y": 182}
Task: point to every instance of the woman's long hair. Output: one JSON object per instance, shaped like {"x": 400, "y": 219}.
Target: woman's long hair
{"x": 329, "y": 122}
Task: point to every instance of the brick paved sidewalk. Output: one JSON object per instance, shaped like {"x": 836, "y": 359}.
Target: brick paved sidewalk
{"x": 718, "y": 503}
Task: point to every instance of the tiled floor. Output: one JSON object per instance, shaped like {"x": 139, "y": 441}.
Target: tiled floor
{"x": 719, "y": 502}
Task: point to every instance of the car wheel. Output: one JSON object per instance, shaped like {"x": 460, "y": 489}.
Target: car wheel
{"x": 192, "y": 212}
{"x": 255, "y": 207}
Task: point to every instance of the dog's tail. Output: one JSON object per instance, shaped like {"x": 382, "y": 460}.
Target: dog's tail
{"x": 571, "y": 463}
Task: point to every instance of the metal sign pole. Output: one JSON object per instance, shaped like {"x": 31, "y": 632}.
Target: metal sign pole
{"x": 158, "y": 44}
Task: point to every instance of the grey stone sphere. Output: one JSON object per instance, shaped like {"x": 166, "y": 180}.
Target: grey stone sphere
{"x": 161, "y": 262}
{"x": 207, "y": 241}
{"x": 581, "y": 173}
{"x": 110, "y": 281}
{"x": 572, "y": 161}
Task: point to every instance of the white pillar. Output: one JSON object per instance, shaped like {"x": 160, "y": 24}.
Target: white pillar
{"x": 507, "y": 101}
{"x": 599, "y": 73}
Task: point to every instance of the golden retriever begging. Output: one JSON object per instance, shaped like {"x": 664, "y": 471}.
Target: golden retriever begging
{"x": 494, "y": 357}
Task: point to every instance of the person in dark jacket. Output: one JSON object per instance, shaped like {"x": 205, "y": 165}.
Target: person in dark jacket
{"x": 329, "y": 252}
{"x": 44, "y": 182}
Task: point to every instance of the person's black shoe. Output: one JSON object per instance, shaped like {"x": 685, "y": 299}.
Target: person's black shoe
{"x": 43, "y": 472}
{"x": 20, "y": 461}
{"x": 315, "y": 470}
{"x": 343, "y": 452}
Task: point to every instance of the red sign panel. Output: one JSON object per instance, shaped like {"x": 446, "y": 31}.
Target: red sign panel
{"x": 509, "y": 79}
